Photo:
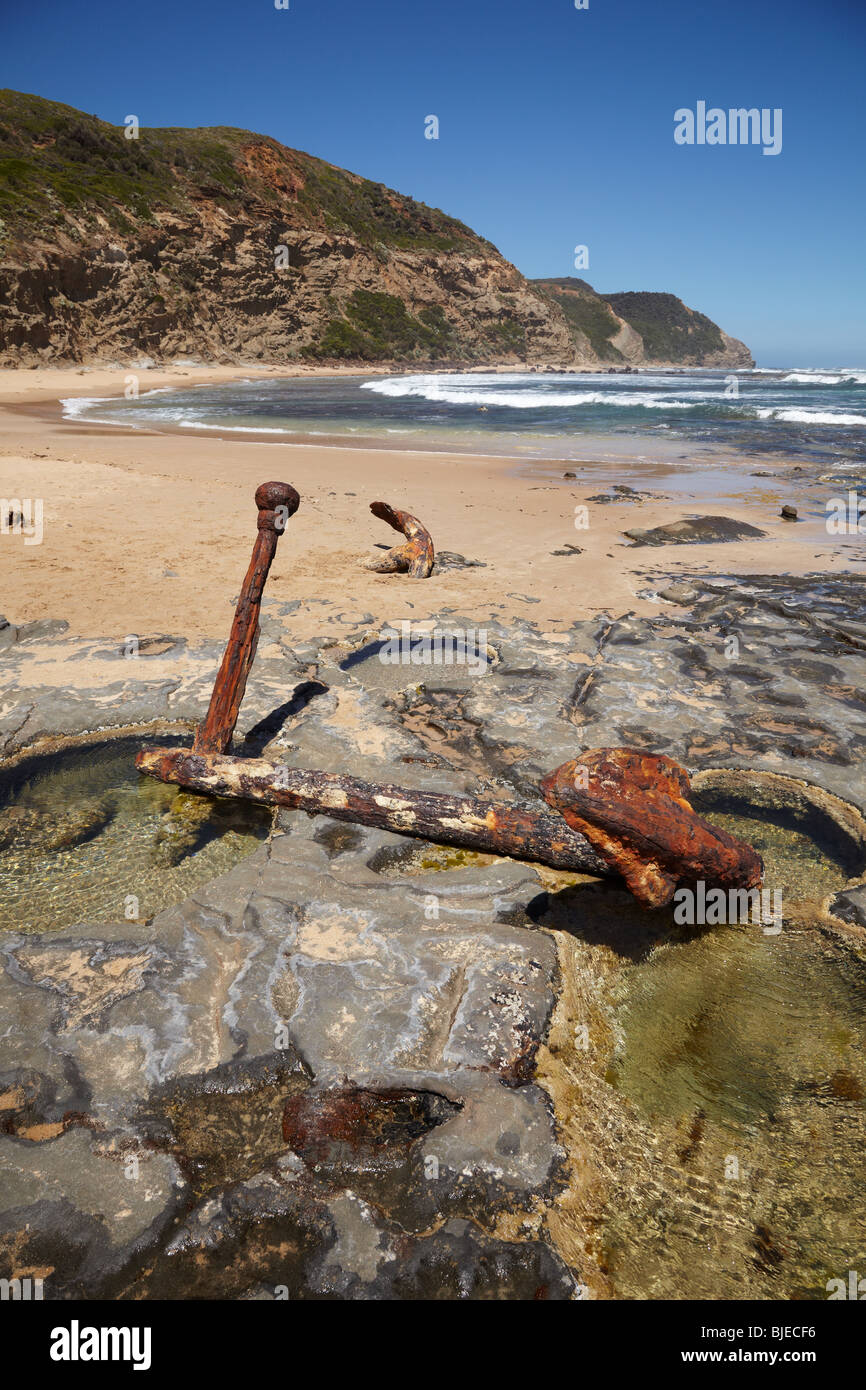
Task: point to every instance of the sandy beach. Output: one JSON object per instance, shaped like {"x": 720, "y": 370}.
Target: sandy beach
{"x": 150, "y": 533}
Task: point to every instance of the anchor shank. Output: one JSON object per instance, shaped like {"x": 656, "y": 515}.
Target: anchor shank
{"x": 464, "y": 821}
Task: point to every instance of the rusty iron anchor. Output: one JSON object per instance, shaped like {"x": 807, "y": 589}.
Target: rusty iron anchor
{"x": 616, "y": 811}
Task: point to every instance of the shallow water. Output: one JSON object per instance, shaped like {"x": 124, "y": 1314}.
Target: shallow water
{"x": 88, "y": 838}
{"x": 733, "y": 1092}
{"x": 428, "y": 858}
{"x": 819, "y": 414}
{"x": 743, "y": 1056}
{"x": 793, "y": 864}
{"x": 721, "y": 1100}
{"x": 397, "y": 662}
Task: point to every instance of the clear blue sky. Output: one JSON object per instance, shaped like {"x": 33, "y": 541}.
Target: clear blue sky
{"x": 556, "y": 128}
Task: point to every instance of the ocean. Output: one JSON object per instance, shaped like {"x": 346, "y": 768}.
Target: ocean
{"x": 809, "y": 412}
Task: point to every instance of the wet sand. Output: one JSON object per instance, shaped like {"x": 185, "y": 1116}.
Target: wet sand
{"x": 151, "y": 533}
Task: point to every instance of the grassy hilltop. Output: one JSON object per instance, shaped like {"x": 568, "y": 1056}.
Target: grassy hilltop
{"x": 226, "y": 245}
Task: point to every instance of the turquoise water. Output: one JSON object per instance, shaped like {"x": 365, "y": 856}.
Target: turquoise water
{"x": 816, "y": 413}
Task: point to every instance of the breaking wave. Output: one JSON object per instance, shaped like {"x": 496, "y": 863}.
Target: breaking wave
{"x": 431, "y": 388}
{"x": 842, "y": 377}
{"x": 816, "y": 412}
{"x": 810, "y": 417}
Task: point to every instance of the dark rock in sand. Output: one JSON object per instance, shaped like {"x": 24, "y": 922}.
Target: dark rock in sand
{"x": 43, "y": 627}
{"x": 618, "y": 493}
{"x": 788, "y": 513}
{"x": 699, "y": 530}
{"x": 684, "y": 594}
{"x": 451, "y": 560}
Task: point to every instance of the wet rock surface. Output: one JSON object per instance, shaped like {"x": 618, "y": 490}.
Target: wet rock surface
{"x": 694, "y": 531}
{"x": 358, "y": 1067}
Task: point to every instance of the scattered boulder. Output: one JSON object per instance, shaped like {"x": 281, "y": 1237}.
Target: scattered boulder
{"x": 698, "y": 530}
{"x": 42, "y": 627}
{"x": 788, "y": 513}
{"x": 620, "y": 492}
{"x": 684, "y": 594}
{"x": 451, "y": 560}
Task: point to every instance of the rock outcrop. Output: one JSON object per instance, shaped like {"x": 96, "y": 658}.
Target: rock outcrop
{"x": 227, "y": 246}
{"x": 643, "y": 327}
{"x": 358, "y": 1067}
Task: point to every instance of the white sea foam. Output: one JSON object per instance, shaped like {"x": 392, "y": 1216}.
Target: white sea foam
{"x": 811, "y": 379}
{"x": 76, "y": 406}
{"x": 518, "y": 392}
{"x": 809, "y": 417}
{"x": 454, "y": 392}
{"x": 240, "y": 429}
{"x": 807, "y": 377}
{"x": 73, "y": 406}
{"x": 780, "y": 396}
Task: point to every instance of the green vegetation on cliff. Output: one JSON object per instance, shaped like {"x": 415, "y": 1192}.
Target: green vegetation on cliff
{"x": 229, "y": 246}
{"x": 378, "y": 326}
{"x": 60, "y": 165}
{"x": 586, "y": 312}
{"x": 670, "y": 330}
{"x": 226, "y": 244}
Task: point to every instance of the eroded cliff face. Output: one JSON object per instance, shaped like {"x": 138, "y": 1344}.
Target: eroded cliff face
{"x": 735, "y": 354}
{"x": 643, "y": 328}
{"x": 208, "y": 287}
{"x": 227, "y": 246}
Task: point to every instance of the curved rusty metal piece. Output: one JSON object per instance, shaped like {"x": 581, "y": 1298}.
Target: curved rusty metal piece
{"x": 634, "y": 810}
{"x": 415, "y": 556}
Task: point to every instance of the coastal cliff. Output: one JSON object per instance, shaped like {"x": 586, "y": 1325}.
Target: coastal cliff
{"x": 226, "y": 246}
{"x": 641, "y": 327}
